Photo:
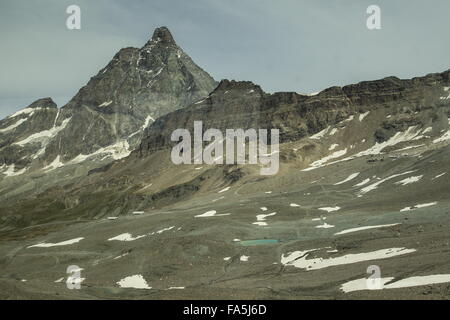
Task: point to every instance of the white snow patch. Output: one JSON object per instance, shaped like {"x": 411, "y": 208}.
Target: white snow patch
{"x": 54, "y": 165}
{"x": 105, "y": 104}
{"x": 13, "y": 126}
{"x": 404, "y": 136}
{"x": 320, "y": 134}
{"x": 263, "y": 208}
{"x": 165, "y": 229}
{"x": 375, "y": 185}
{"x": 427, "y": 130}
{"x": 350, "y": 118}
{"x": 63, "y": 243}
{"x": 333, "y": 146}
{"x": 26, "y": 111}
{"x": 147, "y": 121}
{"x": 330, "y": 209}
{"x": 445, "y": 97}
{"x": 262, "y": 217}
{"x": 75, "y": 280}
{"x": 121, "y": 256}
{"x": 350, "y": 177}
{"x": 439, "y": 175}
{"x": 364, "y": 228}
{"x": 244, "y": 258}
{"x": 410, "y": 147}
{"x": 260, "y": 223}
{"x": 361, "y": 284}
{"x": 333, "y": 131}
{"x": 9, "y": 172}
{"x": 298, "y": 258}
{"x": 444, "y": 137}
{"x": 363, "y": 115}
{"x": 125, "y": 237}
{"x": 364, "y": 182}
{"x": 207, "y": 214}
{"x": 44, "y": 135}
{"x": 418, "y": 206}
{"x": 325, "y": 226}
{"x": 224, "y": 190}
{"x": 294, "y": 205}
{"x": 220, "y": 198}
{"x": 137, "y": 282}
{"x": 117, "y": 151}
{"x": 409, "y": 180}
{"x": 212, "y": 213}
{"x": 321, "y": 162}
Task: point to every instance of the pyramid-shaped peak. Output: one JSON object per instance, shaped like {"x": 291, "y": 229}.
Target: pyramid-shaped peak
{"x": 43, "y": 103}
{"x": 162, "y": 34}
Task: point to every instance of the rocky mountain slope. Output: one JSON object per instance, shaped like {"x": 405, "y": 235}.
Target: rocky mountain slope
{"x": 37, "y": 121}
{"x": 363, "y": 182}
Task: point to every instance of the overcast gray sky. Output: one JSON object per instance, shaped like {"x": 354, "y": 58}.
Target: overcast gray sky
{"x": 283, "y": 45}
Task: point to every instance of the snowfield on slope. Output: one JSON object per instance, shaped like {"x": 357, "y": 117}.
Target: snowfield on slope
{"x": 298, "y": 258}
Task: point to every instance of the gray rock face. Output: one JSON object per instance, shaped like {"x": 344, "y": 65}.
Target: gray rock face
{"x": 106, "y": 117}
{"x": 43, "y": 103}
{"x": 244, "y": 105}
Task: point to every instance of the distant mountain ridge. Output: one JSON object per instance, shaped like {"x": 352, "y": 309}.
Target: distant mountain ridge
{"x": 242, "y": 104}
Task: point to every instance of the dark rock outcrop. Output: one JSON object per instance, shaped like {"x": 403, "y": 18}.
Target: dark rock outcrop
{"x": 244, "y": 105}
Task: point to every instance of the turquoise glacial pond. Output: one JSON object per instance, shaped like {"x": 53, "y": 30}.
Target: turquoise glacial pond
{"x": 258, "y": 242}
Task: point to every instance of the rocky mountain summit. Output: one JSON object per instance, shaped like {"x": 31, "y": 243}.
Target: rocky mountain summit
{"x": 106, "y": 118}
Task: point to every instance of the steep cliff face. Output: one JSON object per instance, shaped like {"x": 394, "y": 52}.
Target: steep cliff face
{"x": 244, "y": 105}
{"x": 134, "y": 89}
{"x": 106, "y": 118}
